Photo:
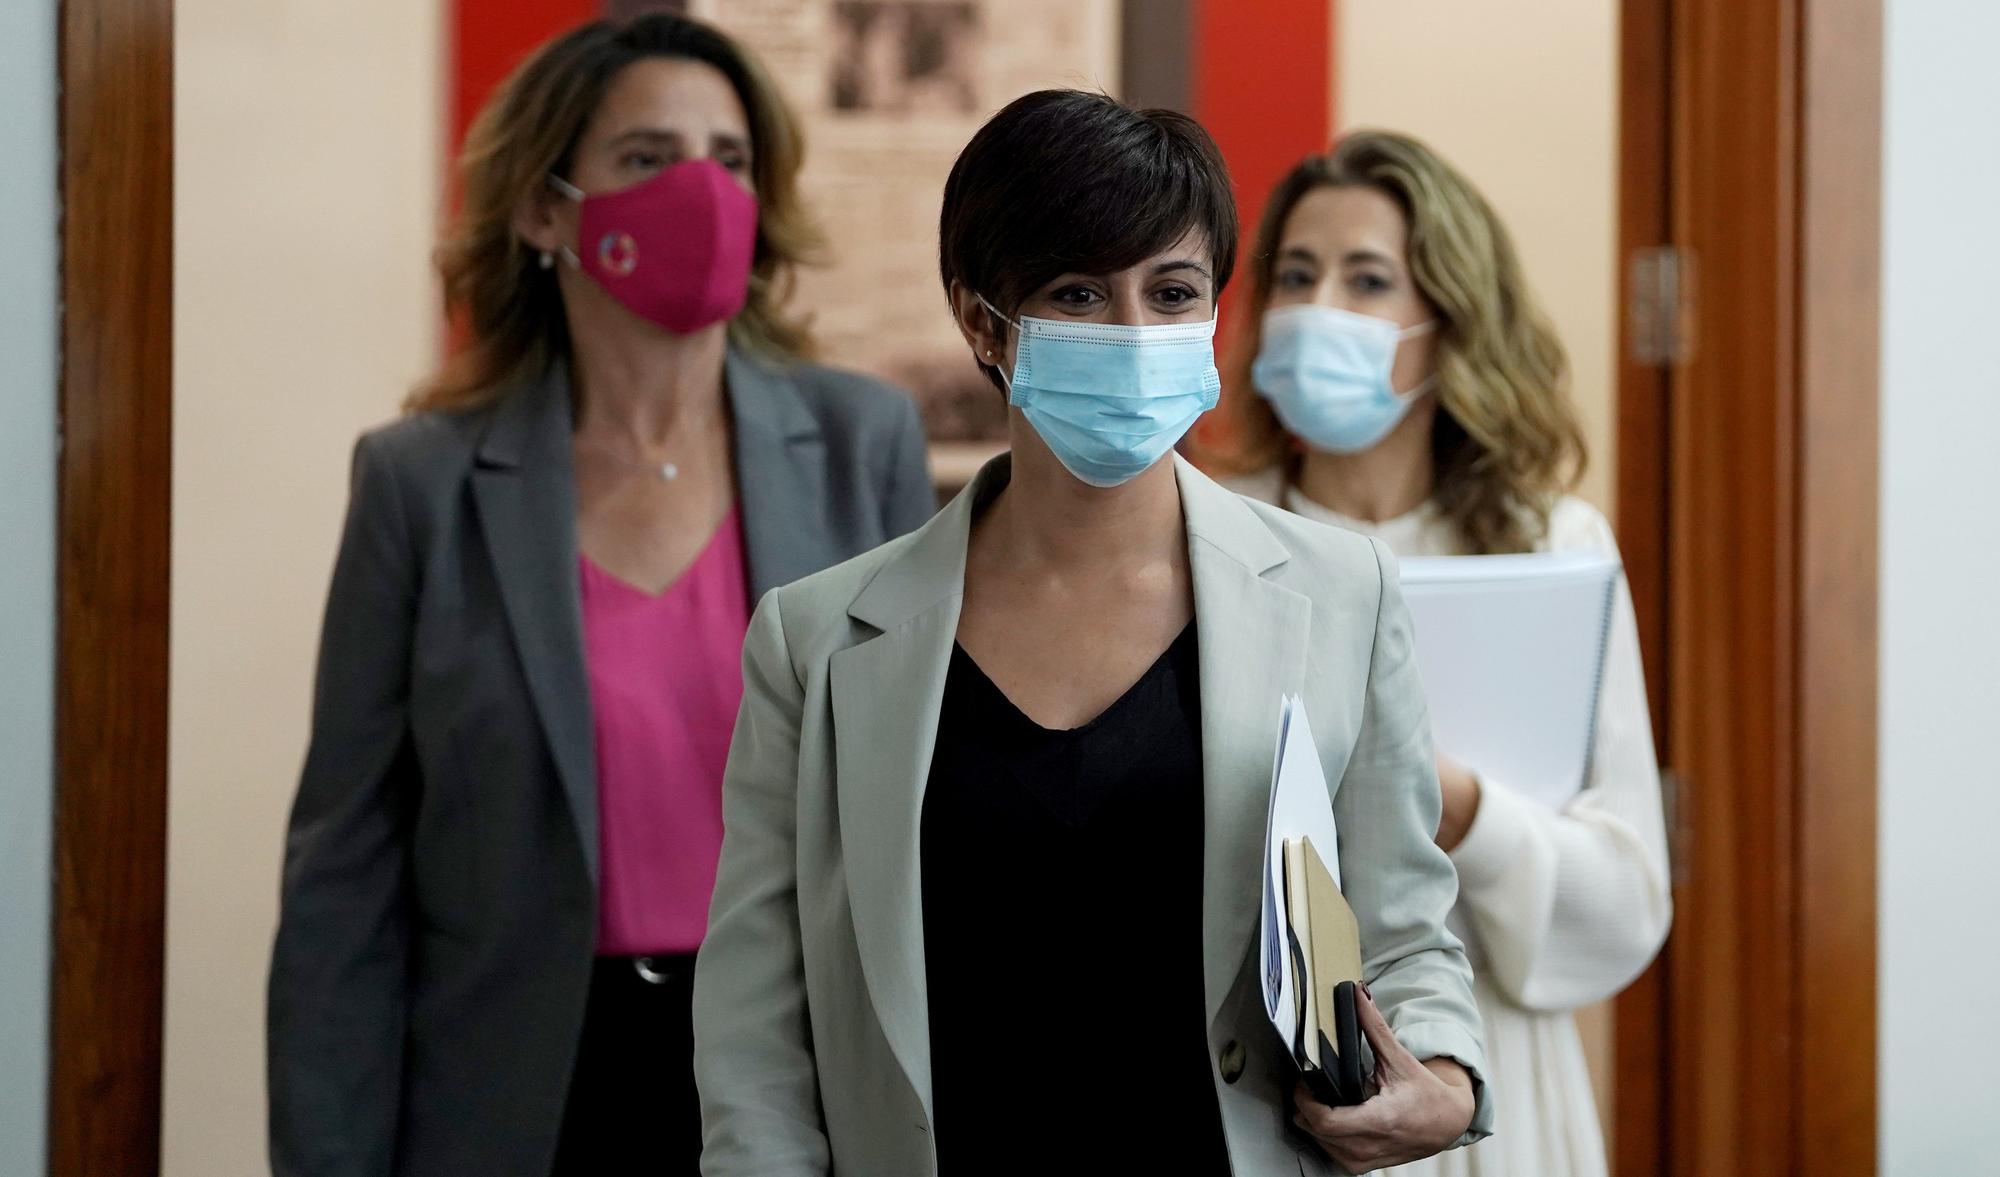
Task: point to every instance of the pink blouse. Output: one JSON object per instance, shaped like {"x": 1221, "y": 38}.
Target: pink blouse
{"x": 666, "y": 677}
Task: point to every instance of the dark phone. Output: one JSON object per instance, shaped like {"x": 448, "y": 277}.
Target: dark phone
{"x": 1347, "y": 1083}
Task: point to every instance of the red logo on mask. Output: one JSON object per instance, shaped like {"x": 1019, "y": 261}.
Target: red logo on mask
{"x": 618, "y": 254}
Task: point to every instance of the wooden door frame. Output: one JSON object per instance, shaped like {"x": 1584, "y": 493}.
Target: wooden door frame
{"x": 1748, "y": 509}
{"x": 1750, "y": 1047}
{"x": 114, "y": 486}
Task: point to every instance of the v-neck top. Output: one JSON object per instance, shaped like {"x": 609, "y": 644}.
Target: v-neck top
{"x": 1062, "y": 888}
{"x": 666, "y": 678}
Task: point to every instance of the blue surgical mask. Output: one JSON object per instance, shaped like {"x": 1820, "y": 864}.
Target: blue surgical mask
{"x": 1109, "y": 399}
{"x": 1326, "y": 374}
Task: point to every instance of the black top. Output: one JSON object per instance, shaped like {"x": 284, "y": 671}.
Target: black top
{"x": 1062, "y": 875}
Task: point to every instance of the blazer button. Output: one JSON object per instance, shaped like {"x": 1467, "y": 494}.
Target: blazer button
{"x": 1231, "y": 1061}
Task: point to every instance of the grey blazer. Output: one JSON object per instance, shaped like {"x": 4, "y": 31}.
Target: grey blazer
{"x": 439, "y": 907}
{"x": 811, "y": 1040}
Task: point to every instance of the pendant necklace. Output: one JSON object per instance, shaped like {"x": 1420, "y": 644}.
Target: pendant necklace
{"x": 664, "y": 471}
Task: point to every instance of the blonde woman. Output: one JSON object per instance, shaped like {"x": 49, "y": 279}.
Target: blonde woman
{"x": 505, "y": 838}
{"x": 1407, "y": 388}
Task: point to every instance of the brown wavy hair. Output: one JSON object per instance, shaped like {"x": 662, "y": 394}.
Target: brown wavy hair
{"x": 1508, "y": 443}
{"x": 504, "y": 306}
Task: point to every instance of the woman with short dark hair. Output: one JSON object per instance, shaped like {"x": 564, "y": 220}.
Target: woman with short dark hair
{"x": 994, "y": 813}
{"x": 500, "y": 858}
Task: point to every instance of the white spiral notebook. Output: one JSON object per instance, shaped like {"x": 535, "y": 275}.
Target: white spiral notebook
{"x": 1511, "y": 650}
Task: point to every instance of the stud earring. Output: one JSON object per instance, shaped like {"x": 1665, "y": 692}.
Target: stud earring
{"x": 548, "y": 259}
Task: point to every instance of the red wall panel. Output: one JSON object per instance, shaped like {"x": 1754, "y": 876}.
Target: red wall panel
{"x": 490, "y": 37}
{"x": 1262, "y": 82}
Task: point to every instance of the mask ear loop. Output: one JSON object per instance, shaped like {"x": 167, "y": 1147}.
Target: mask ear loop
{"x": 568, "y": 191}
{"x": 1428, "y": 383}
{"x": 990, "y": 357}
{"x": 995, "y": 311}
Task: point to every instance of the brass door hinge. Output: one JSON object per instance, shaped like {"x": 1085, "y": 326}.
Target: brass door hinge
{"x": 1660, "y": 298}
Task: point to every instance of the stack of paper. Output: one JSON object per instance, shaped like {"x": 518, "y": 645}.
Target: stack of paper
{"x": 1511, "y": 650}
{"x": 1311, "y": 944}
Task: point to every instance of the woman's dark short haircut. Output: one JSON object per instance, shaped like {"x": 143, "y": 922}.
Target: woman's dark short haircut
{"x": 1064, "y": 181}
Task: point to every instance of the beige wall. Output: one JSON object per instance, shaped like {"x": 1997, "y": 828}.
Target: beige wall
{"x": 1938, "y": 1026}
{"x": 1524, "y": 99}
{"x": 30, "y": 328}
{"x": 306, "y": 178}
{"x": 307, "y": 147}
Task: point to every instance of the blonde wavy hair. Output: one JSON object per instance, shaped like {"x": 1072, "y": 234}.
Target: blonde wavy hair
{"x": 1508, "y": 443}
{"x": 505, "y": 308}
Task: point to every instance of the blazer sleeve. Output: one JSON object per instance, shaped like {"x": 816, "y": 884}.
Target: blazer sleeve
{"x": 1569, "y": 907}
{"x": 910, "y": 499}
{"x": 1399, "y": 883}
{"x": 338, "y": 968}
{"x": 753, "y": 1055}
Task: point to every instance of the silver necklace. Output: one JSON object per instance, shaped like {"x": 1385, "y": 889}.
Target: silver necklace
{"x": 664, "y": 471}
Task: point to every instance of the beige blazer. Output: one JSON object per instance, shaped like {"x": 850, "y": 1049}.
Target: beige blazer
{"x": 811, "y": 1040}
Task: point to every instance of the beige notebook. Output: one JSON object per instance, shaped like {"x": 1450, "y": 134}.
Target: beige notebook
{"x": 1298, "y": 919}
{"x": 1329, "y": 942}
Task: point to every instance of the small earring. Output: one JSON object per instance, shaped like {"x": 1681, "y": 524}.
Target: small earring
{"x": 548, "y": 259}
{"x": 989, "y": 353}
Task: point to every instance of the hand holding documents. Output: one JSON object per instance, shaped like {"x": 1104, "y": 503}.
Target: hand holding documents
{"x": 1311, "y": 945}
{"x": 1511, "y": 650}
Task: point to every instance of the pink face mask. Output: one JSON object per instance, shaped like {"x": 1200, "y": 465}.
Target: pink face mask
{"x": 675, "y": 249}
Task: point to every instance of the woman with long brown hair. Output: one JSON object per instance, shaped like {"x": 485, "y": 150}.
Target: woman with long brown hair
{"x": 501, "y": 855}
{"x": 1407, "y": 387}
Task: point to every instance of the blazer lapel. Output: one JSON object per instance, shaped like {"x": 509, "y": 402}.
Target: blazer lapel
{"x": 886, "y": 695}
{"x": 887, "y": 692}
{"x": 1253, "y": 636}
{"x": 526, "y": 500}
{"x": 780, "y": 475}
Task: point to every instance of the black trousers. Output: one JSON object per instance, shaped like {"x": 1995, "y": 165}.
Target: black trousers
{"x": 632, "y": 1104}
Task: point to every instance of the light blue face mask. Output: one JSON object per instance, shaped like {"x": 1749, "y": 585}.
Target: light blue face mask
{"x": 1109, "y": 399}
{"x": 1326, "y": 374}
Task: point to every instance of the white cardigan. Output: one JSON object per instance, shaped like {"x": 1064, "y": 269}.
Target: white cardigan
{"x": 1557, "y": 910}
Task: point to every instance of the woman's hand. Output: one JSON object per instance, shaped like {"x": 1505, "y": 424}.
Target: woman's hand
{"x": 1461, "y": 802}
{"x": 1418, "y": 1110}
